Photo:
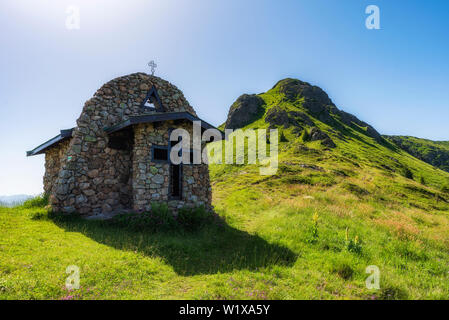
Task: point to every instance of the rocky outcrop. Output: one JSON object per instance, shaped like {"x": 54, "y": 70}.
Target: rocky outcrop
{"x": 244, "y": 110}
{"x": 318, "y": 135}
{"x": 315, "y": 99}
{"x": 350, "y": 119}
{"x": 278, "y": 116}
{"x": 318, "y": 103}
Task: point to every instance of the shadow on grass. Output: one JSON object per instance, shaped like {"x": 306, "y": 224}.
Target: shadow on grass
{"x": 213, "y": 249}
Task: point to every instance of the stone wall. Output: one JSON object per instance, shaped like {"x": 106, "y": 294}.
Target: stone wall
{"x": 151, "y": 179}
{"x": 53, "y": 157}
{"x": 95, "y": 178}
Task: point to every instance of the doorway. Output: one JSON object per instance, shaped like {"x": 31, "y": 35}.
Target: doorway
{"x": 176, "y": 181}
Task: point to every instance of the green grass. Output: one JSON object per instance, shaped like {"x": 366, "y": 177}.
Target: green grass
{"x": 401, "y": 225}
{"x": 307, "y": 232}
{"x": 433, "y": 152}
{"x": 117, "y": 263}
{"x": 263, "y": 250}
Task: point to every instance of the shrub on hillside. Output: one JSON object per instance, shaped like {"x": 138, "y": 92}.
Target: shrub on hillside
{"x": 392, "y": 293}
{"x": 353, "y": 245}
{"x": 160, "y": 218}
{"x": 422, "y": 180}
{"x": 445, "y": 188}
{"x": 407, "y": 173}
{"x": 355, "y": 189}
{"x": 305, "y": 136}
{"x": 194, "y": 218}
{"x": 39, "y": 215}
{"x": 39, "y": 201}
{"x": 343, "y": 270}
{"x": 312, "y": 236}
{"x": 282, "y": 138}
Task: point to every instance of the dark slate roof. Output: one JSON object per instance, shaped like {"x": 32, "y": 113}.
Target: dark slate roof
{"x": 65, "y": 134}
{"x": 157, "y": 117}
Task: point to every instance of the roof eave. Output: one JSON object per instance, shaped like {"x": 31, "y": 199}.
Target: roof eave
{"x": 65, "y": 134}
{"x": 158, "y": 118}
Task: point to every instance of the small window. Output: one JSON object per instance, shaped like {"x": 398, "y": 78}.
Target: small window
{"x": 190, "y": 155}
{"x": 160, "y": 154}
{"x": 190, "y": 152}
{"x": 152, "y": 102}
{"x": 150, "y": 105}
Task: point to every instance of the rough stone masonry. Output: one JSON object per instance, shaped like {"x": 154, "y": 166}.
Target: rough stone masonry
{"x": 116, "y": 157}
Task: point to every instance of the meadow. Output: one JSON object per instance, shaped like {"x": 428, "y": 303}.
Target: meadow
{"x": 287, "y": 236}
{"x": 310, "y": 231}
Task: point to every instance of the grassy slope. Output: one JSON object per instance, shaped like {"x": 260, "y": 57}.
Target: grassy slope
{"x": 402, "y": 223}
{"x": 265, "y": 248}
{"x": 121, "y": 264}
{"x": 434, "y": 152}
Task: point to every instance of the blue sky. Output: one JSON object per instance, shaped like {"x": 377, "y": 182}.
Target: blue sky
{"x": 395, "y": 78}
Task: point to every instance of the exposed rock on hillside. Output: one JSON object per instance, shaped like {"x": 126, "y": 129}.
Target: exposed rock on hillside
{"x": 311, "y": 104}
{"x": 277, "y": 116}
{"x": 318, "y": 103}
{"x": 244, "y": 110}
{"x": 315, "y": 99}
{"x": 317, "y": 134}
{"x": 350, "y": 119}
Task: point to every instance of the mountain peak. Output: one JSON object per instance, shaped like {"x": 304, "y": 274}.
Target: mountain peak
{"x": 294, "y": 103}
{"x": 244, "y": 110}
{"x": 315, "y": 98}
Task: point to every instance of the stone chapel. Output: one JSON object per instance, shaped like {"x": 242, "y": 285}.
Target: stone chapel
{"x": 117, "y": 156}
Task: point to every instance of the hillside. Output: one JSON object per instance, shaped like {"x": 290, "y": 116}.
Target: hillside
{"x": 434, "y": 152}
{"x": 340, "y": 168}
{"x": 308, "y": 121}
{"x": 343, "y": 198}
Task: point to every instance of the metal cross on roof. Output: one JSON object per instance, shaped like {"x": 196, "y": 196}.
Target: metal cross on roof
{"x": 153, "y": 66}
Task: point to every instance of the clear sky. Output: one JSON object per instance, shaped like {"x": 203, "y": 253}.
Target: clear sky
{"x": 395, "y": 78}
